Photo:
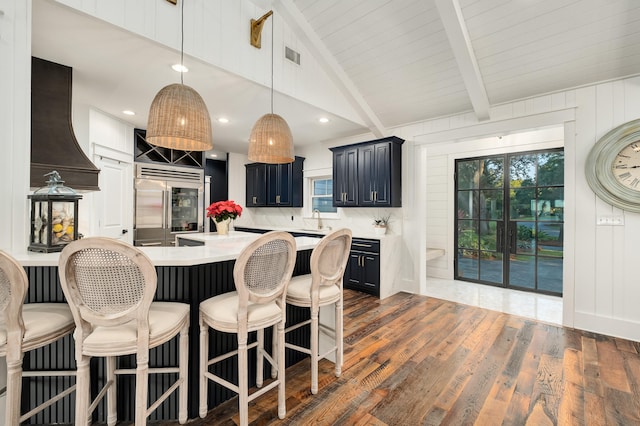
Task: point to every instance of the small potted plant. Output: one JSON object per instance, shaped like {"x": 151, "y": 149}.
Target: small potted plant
{"x": 380, "y": 224}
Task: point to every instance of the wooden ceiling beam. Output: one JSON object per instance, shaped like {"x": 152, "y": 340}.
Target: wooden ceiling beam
{"x": 296, "y": 21}
{"x": 456, "y": 29}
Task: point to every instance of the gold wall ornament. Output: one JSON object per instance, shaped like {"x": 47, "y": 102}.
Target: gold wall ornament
{"x": 256, "y": 29}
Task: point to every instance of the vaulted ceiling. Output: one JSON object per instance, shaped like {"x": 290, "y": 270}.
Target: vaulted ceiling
{"x": 417, "y": 59}
{"x": 397, "y": 62}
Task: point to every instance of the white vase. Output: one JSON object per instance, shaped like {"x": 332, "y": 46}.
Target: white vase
{"x": 222, "y": 227}
{"x": 380, "y": 230}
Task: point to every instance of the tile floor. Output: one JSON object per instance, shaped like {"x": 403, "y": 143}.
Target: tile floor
{"x": 531, "y": 305}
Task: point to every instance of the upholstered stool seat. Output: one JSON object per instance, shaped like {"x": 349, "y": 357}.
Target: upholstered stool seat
{"x": 165, "y": 321}
{"x": 299, "y": 291}
{"x": 222, "y": 313}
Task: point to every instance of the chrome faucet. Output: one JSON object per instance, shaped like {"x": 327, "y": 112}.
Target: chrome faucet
{"x": 319, "y": 220}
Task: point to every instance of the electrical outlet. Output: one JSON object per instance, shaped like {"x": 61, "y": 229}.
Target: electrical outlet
{"x": 610, "y": 221}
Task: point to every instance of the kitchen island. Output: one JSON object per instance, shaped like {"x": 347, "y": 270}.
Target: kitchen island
{"x": 185, "y": 274}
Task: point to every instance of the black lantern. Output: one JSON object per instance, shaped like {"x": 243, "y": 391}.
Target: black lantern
{"x": 54, "y": 215}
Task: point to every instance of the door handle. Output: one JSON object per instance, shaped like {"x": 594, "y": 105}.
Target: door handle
{"x": 124, "y": 231}
{"x": 513, "y": 238}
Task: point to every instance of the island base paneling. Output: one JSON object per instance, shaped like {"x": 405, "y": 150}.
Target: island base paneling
{"x": 187, "y": 284}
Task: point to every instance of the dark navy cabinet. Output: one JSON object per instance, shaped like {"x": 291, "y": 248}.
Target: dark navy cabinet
{"x": 256, "y": 189}
{"x": 345, "y": 173}
{"x": 363, "y": 268}
{"x": 275, "y": 185}
{"x": 368, "y": 174}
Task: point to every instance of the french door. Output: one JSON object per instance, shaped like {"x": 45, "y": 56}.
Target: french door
{"x": 509, "y": 220}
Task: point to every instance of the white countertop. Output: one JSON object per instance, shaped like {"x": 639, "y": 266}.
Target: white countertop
{"x": 217, "y": 248}
{"x": 322, "y": 232}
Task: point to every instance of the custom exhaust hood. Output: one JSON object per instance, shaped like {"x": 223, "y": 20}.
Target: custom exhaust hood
{"x": 53, "y": 144}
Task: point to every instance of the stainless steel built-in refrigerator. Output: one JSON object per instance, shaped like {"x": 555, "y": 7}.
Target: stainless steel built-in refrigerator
{"x": 169, "y": 200}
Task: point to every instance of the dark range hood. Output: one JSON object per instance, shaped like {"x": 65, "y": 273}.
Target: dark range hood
{"x": 53, "y": 144}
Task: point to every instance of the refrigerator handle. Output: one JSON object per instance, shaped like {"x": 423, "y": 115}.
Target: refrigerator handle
{"x": 166, "y": 217}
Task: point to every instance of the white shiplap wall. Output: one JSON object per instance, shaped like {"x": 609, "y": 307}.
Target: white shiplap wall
{"x": 600, "y": 279}
{"x": 15, "y": 119}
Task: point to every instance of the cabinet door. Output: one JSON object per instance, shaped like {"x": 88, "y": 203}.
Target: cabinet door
{"x": 374, "y": 175}
{"x": 255, "y": 187}
{"x": 278, "y": 185}
{"x": 363, "y": 273}
{"x": 353, "y": 272}
{"x": 371, "y": 273}
{"x": 345, "y": 167}
{"x": 366, "y": 176}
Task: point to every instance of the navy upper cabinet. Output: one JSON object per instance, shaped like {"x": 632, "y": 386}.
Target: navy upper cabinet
{"x": 368, "y": 174}
{"x": 275, "y": 185}
{"x": 256, "y": 189}
{"x": 345, "y": 173}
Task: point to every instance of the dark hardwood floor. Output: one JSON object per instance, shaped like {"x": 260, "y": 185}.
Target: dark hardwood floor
{"x": 415, "y": 360}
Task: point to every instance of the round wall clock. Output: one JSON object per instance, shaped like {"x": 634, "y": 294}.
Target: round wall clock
{"x": 613, "y": 167}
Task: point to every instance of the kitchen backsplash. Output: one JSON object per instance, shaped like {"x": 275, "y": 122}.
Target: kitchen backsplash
{"x": 359, "y": 220}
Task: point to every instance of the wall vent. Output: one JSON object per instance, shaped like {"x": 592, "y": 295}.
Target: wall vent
{"x": 292, "y": 55}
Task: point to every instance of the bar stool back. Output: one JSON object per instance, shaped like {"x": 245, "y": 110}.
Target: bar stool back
{"x": 322, "y": 287}
{"x": 261, "y": 274}
{"x": 25, "y": 327}
{"x": 110, "y": 285}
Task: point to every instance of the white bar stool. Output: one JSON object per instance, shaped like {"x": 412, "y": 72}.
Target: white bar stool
{"x": 110, "y": 286}
{"x": 322, "y": 287}
{"x": 261, "y": 274}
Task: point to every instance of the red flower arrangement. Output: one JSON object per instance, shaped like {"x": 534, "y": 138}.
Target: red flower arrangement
{"x": 222, "y": 210}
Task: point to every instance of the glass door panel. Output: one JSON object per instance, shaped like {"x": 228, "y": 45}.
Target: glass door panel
{"x": 467, "y": 265}
{"x": 550, "y": 275}
{"x": 491, "y": 267}
{"x": 184, "y": 209}
{"x": 491, "y": 202}
{"x": 467, "y": 204}
{"x": 522, "y": 271}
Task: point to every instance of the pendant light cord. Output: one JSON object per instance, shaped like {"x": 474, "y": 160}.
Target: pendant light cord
{"x": 182, "y": 43}
{"x": 272, "y": 42}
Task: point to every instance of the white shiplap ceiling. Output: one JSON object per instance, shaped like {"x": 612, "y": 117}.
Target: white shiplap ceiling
{"x": 405, "y": 62}
{"x": 396, "y": 61}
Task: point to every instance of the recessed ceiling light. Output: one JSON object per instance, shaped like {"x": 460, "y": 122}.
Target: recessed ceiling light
{"x": 223, "y": 120}
{"x": 179, "y": 68}
{"x": 127, "y": 112}
{"x": 213, "y": 155}
{"x": 323, "y": 120}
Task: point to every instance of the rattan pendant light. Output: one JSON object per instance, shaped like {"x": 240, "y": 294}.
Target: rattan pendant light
{"x": 178, "y": 117}
{"x": 270, "y": 140}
